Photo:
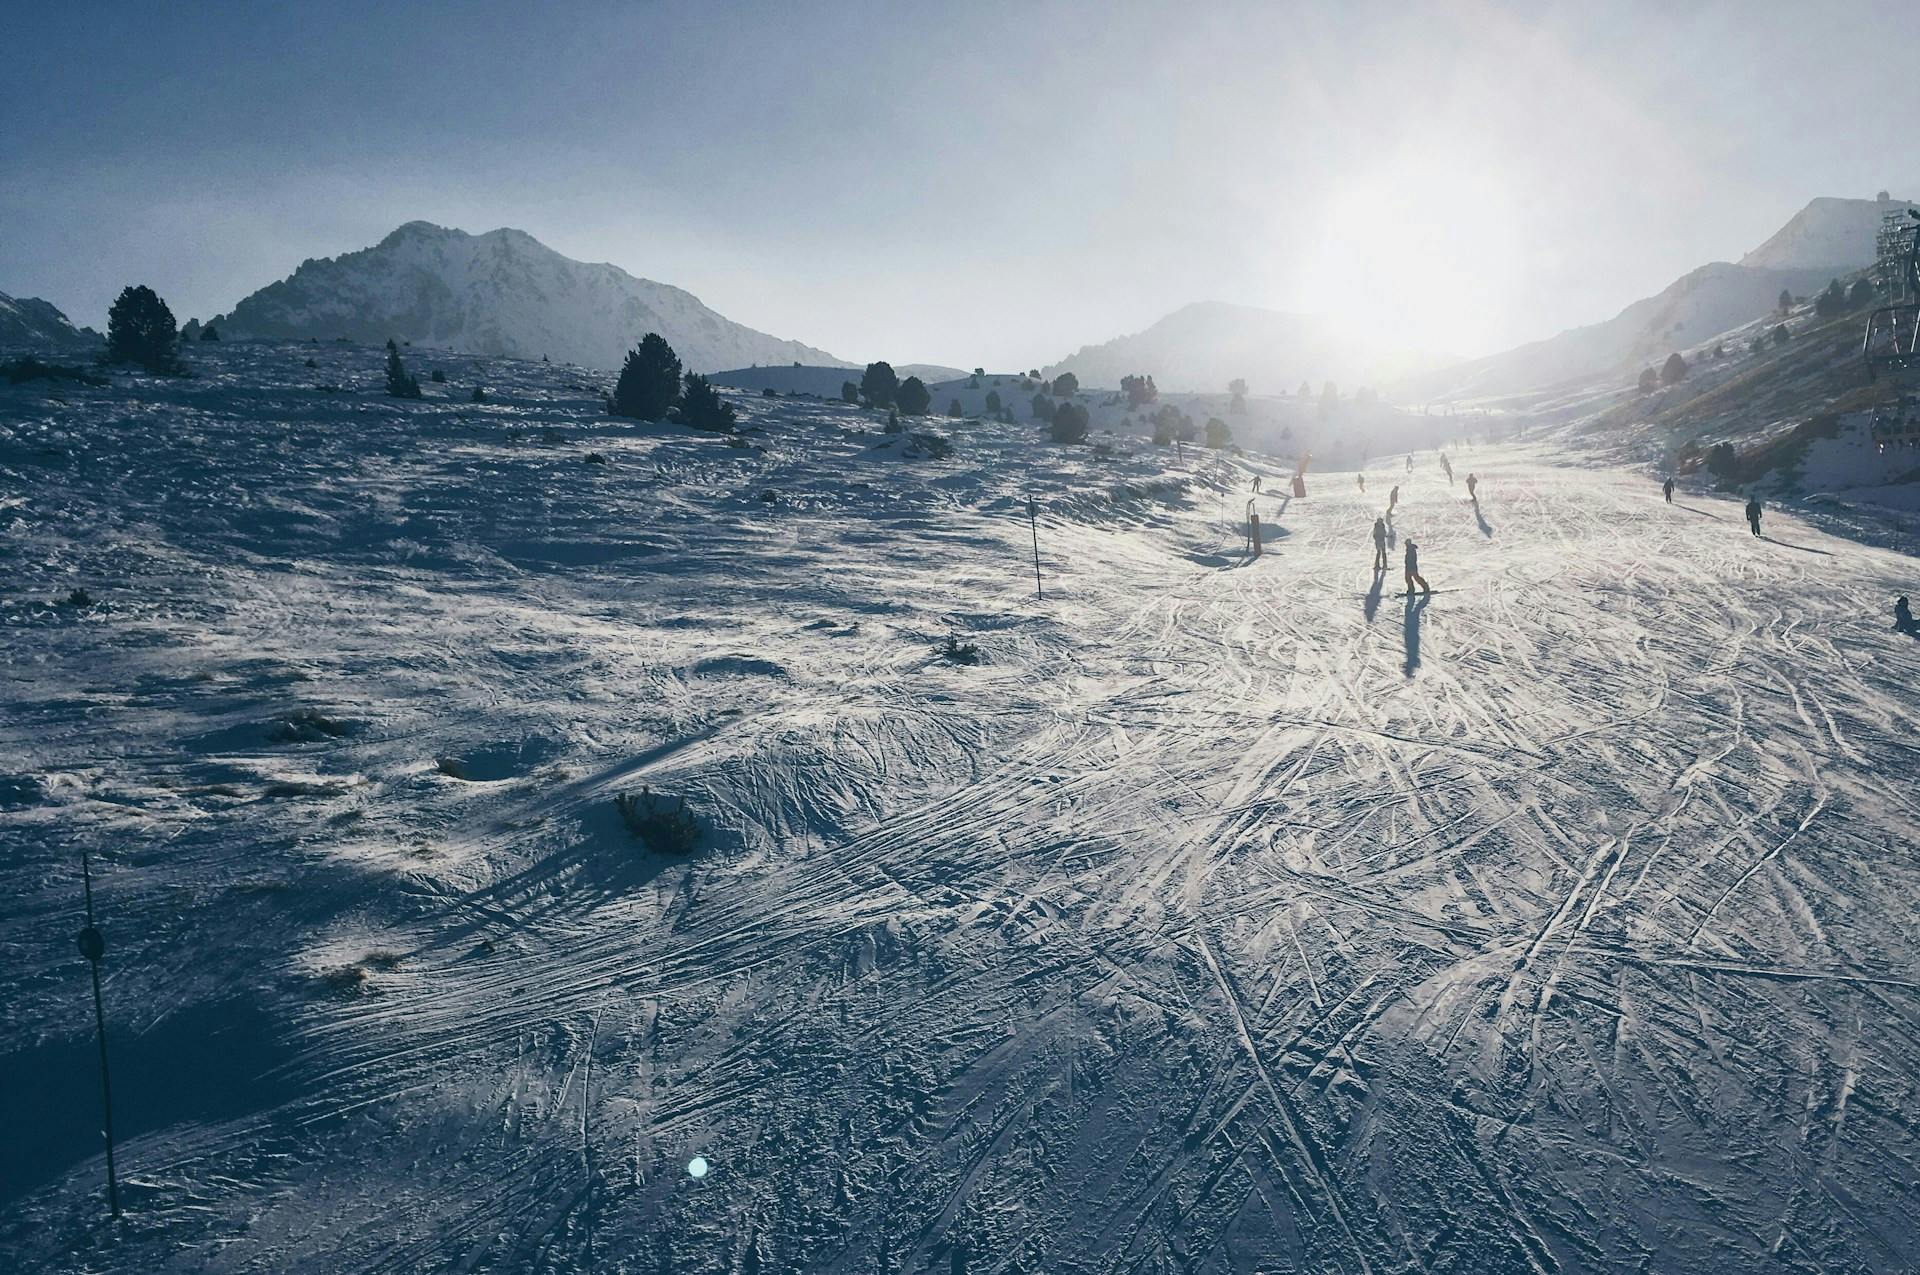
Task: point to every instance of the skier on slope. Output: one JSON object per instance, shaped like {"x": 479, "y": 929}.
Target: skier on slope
{"x": 1473, "y": 481}
{"x": 1667, "y": 487}
{"x": 1448, "y": 466}
{"x": 1409, "y": 462}
{"x": 1413, "y": 570}
{"x": 1362, "y": 480}
{"x": 1393, "y": 498}
{"x": 1256, "y": 484}
{"x": 1753, "y": 513}
{"x": 1380, "y": 545}
{"x": 1903, "y": 617}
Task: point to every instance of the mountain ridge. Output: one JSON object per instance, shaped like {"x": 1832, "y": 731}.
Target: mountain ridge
{"x": 500, "y": 292}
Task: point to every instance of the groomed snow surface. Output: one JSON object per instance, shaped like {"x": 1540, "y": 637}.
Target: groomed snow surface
{"x": 1225, "y": 917}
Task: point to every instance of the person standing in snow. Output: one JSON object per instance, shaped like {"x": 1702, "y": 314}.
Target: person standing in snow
{"x": 1667, "y": 487}
{"x": 1409, "y": 462}
{"x": 1753, "y": 513}
{"x": 1362, "y": 480}
{"x": 1903, "y": 617}
{"x": 1448, "y": 466}
{"x": 1413, "y": 570}
{"x": 1380, "y": 545}
{"x": 1393, "y": 498}
{"x": 1472, "y": 482}
{"x": 1256, "y": 484}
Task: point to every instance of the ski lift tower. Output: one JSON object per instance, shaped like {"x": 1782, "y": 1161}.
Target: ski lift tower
{"x": 1892, "y": 340}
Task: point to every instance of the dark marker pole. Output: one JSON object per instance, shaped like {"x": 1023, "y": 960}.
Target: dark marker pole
{"x": 1033, "y": 517}
{"x": 93, "y": 946}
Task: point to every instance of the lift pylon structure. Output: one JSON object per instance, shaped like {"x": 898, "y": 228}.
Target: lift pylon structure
{"x": 1892, "y": 339}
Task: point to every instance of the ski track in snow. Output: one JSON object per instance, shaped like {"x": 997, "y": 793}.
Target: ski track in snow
{"x": 1223, "y": 918}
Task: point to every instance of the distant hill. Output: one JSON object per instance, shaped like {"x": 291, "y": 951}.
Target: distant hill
{"x": 503, "y": 292}
{"x": 1203, "y": 346}
{"x": 28, "y": 323}
{"x": 1835, "y": 235}
{"x": 824, "y": 381}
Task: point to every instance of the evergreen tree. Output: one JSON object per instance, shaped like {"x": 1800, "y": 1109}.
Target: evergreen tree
{"x": 649, "y": 380}
{"x": 993, "y": 402}
{"x": 879, "y": 385}
{"x": 140, "y": 329}
{"x": 1674, "y": 370}
{"x": 702, "y": 407}
{"x": 1780, "y": 334}
{"x": 912, "y": 397}
{"x": 1140, "y": 390}
{"x": 1218, "y": 433}
{"x": 1042, "y": 408}
{"x": 1238, "y": 388}
{"x": 1786, "y": 301}
{"x": 1306, "y": 391}
{"x": 954, "y": 409}
{"x": 1066, "y": 385}
{"x": 1831, "y": 301}
{"x": 479, "y": 395}
{"x": 1649, "y": 381}
{"x": 1862, "y": 291}
{"x": 400, "y": 383}
{"x": 849, "y": 392}
{"x": 210, "y": 333}
{"x": 1070, "y": 423}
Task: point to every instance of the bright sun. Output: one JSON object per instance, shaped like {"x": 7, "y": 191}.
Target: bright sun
{"x": 1418, "y": 256}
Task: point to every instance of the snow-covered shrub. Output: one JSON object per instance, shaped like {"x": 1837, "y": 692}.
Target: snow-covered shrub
{"x": 954, "y": 410}
{"x": 666, "y": 828}
{"x": 849, "y": 392}
{"x": 958, "y": 652}
{"x": 702, "y": 407}
{"x": 1066, "y": 385}
{"x": 878, "y": 384}
{"x": 439, "y": 377}
{"x": 932, "y": 446}
{"x": 649, "y": 380}
{"x": 479, "y": 395}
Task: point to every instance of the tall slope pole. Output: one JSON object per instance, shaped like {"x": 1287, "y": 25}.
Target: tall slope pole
{"x": 93, "y": 946}
{"x": 1033, "y": 517}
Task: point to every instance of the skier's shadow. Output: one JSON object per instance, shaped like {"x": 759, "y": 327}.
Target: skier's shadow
{"x": 1372, "y": 604}
{"x": 1412, "y": 632}
{"x": 1486, "y": 528}
{"x": 1802, "y": 548}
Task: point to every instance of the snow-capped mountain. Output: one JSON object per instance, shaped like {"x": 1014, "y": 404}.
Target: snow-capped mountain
{"x": 503, "y": 292}
{"x": 1687, "y": 312}
{"x": 1203, "y": 346}
{"x": 29, "y": 323}
{"x": 1828, "y": 234}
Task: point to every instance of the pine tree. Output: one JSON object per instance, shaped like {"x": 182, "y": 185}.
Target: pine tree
{"x": 649, "y": 381}
{"x": 1649, "y": 381}
{"x": 912, "y": 397}
{"x": 954, "y": 409}
{"x": 878, "y": 385}
{"x": 1070, "y": 423}
{"x": 400, "y": 384}
{"x": 993, "y": 402}
{"x": 849, "y": 392}
{"x": 1786, "y": 301}
{"x": 1238, "y": 388}
{"x": 140, "y": 329}
{"x": 1218, "y": 433}
{"x": 1674, "y": 370}
{"x": 1066, "y": 385}
{"x": 702, "y": 407}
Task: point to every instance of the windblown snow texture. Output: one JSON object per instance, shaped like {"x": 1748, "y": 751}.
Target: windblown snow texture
{"x": 1225, "y": 916}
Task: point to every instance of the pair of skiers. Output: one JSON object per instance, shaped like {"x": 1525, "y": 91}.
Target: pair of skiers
{"x": 1412, "y": 558}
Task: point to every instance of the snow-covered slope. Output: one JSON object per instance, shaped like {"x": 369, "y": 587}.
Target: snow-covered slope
{"x": 28, "y": 323}
{"x": 1201, "y": 347}
{"x": 1714, "y": 299}
{"x": 1226, "y": 914}
{"x": 503, "y": 292}
{"x": 1835, "y": 235}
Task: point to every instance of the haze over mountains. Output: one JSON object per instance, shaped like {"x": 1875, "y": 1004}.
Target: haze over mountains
{"x": 1827, "y": 238}
{"x": 503, "y": 292}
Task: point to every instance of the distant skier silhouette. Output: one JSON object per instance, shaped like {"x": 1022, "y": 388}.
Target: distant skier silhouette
{"x": 1393, "y": 498}
{"x": 1413, "y": 570}
{"x": 1380, "y": 546}
{"x": 1448, "y": 466}
{"x": 1753, "y": 513}
{"x": 1409, "y": 462}
{"x": 1362, "y": 480}
{"x": 1256, "y": 484}
{"x": 1473, "y": 482}
{"x": 1903, "y": 621}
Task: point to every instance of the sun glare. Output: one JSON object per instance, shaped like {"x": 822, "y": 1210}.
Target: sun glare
{"x": 1413, "y": 256}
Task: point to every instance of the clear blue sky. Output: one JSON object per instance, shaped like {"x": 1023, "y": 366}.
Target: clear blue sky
{"x": 979, "y": 183}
